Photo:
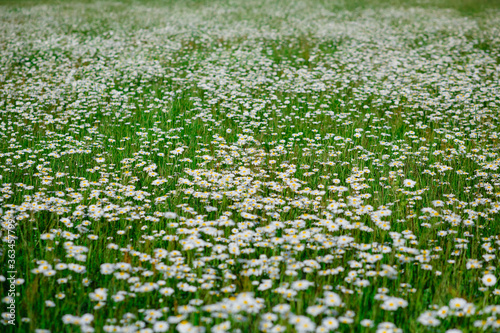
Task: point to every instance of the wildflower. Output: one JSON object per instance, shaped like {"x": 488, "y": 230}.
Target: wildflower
{"x": 330, "y": 323}
{"x": 302, "y": 285}
{"x": 177, "y": 151}
{"x": 281, "y": 308}
{"x": 332, "y": 299}
{"x": 160, "y": 326}
{"x": 409, "y": 183}
{"x": 366, "y": 323}
{"x": 457, "y": 303}
{"x": 266, "y": 284}
{"x": 489, "y": 280}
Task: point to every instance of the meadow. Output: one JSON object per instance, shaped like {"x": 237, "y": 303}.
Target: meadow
{"x": 250, "y": 166}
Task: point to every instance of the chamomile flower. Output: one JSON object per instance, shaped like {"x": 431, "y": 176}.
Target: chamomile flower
{"x": 489, "y": 280}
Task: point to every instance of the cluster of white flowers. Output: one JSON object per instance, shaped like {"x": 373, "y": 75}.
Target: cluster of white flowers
{"x": 239, "y": 166}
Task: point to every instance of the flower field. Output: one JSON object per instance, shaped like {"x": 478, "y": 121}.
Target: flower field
{"x": 250, "y": 166}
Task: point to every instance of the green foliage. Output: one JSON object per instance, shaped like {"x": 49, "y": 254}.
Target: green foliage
{"x": 214, "y": 163}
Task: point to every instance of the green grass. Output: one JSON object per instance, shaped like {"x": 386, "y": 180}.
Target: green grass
{"x": 276, "y": 110}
